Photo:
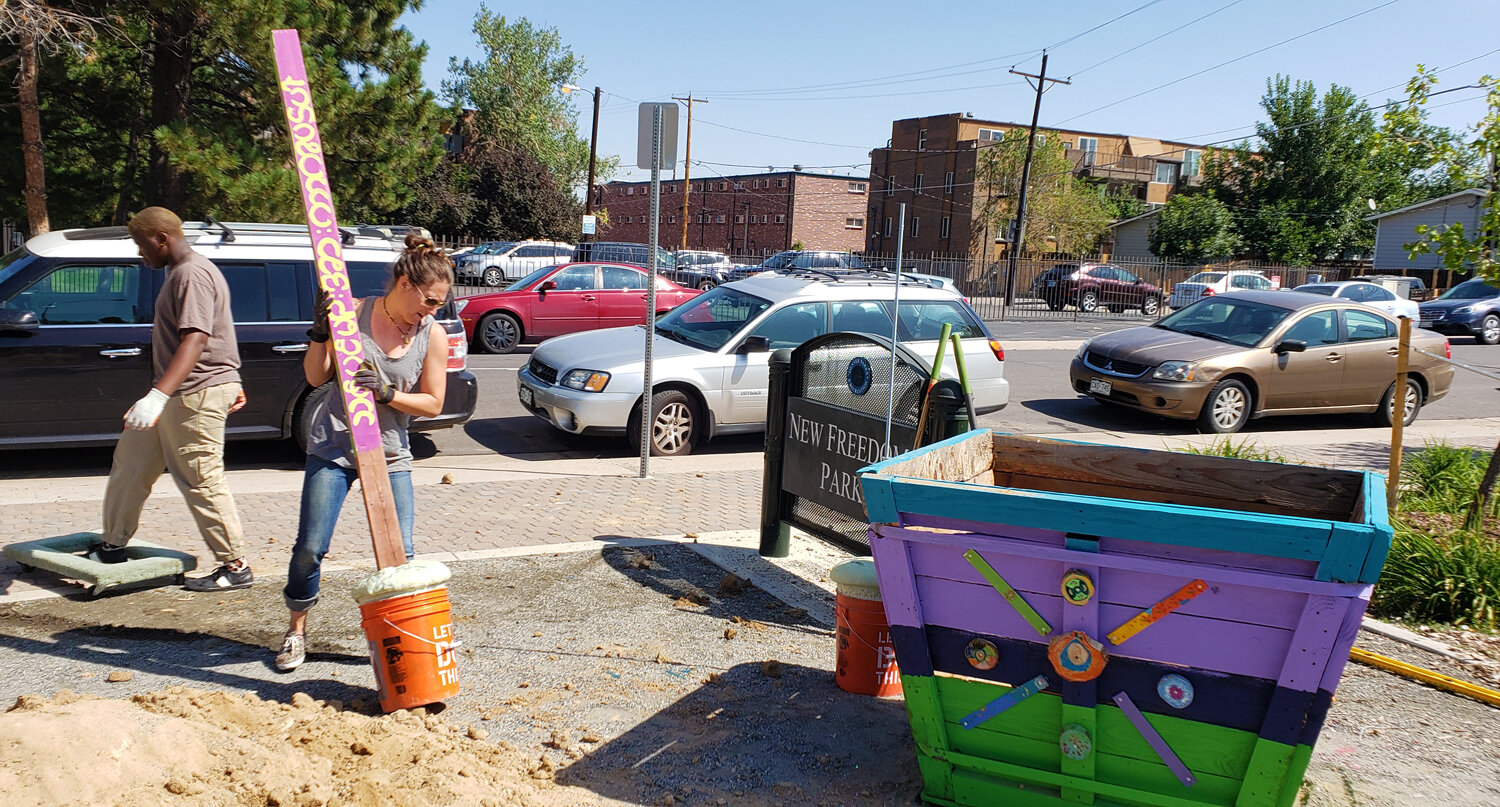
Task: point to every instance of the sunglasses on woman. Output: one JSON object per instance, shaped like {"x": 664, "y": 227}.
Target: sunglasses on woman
{"x": 427, "y": 299}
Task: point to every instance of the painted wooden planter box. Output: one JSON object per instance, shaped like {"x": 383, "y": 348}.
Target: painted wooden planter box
{"x": 1085, "y": 624}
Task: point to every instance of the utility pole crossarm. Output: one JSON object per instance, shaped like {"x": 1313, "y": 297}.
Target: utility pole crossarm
{"x": 1018, "y": 230}
{"x": 687, "y": 162}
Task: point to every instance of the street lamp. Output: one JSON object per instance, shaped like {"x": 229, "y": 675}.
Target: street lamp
{"x": 588, "y": 196}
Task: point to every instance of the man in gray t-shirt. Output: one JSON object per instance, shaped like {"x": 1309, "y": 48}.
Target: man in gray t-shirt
{"x": 179, "y": 425}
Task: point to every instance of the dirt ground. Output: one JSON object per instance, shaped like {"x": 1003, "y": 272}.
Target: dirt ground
{"x": 640, "y": 677}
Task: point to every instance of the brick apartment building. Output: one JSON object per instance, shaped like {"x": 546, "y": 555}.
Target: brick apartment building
{"x": 745, "y": 214}
{"x": 929, "y": 164}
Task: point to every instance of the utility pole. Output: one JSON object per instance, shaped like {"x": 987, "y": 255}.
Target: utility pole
{"x": 588, "y": 199}
{"x": 687, "y": 162}
{"x": 1018, "y": 229}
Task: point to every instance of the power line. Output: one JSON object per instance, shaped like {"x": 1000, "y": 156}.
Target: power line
{"x": 1157, "y": 38}
{"x": 1061, "y": 42}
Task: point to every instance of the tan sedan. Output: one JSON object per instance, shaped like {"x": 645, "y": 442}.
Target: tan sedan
{"x": 1228, "y": 358}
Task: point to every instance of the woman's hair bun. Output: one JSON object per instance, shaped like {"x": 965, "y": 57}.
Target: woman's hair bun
{"x": 419, "y": 244}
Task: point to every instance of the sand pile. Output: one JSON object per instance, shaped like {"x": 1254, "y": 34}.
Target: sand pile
{"x": 184, "y": 746}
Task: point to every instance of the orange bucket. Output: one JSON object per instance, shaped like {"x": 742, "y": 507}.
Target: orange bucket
{"x": 411, "y": 648}
{"x": 866, "y": 659}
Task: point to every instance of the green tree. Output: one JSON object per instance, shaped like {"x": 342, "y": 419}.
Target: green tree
{"x": 1300, "y": 193}
{"x": 1194, "y": 228}
{"x": 515, "y": 91}
{"x": 1063, "y": 212}
{"x": 181, "y": 108}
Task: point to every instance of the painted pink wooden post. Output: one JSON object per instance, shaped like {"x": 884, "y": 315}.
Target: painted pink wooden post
{"x": 322, "y": 224}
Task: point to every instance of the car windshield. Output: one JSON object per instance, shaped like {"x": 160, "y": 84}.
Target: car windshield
{"x": 525, "y": 282}
{"x": 1471, "y": 290}
{"x": 1226, "y": 319}
{"x": 494, "y": 247}
{"x": 712, "y": 318}
{"x": 1206, "y": 277}
{"x": 1326, "y": 291}
{"x": 12, "y": 263}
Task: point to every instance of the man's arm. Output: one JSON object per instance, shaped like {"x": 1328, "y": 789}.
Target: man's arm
{"x": 183, "y": 361}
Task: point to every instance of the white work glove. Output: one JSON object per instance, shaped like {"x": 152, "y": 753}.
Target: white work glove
{"x": 145, "y": 412}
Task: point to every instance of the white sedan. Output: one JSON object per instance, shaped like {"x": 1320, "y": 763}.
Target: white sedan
{"x": 1368, "y": 293}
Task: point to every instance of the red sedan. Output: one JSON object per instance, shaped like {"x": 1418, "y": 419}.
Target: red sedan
{"x": 563, "y": 299}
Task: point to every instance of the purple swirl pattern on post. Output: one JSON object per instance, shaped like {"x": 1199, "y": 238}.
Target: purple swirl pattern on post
{"x": 317, "y": 197}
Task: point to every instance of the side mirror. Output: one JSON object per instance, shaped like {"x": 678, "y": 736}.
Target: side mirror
{"x": 547, "y": 285}
{"x": 1290, "y": 346}
{"x": 754, "y": 344}
{"x": 17, "y": 320}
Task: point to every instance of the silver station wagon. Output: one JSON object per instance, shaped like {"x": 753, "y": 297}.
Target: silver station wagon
{"x": 711, "y": 355}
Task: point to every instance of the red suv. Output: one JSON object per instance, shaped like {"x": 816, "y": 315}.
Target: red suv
{"x": 1091, "y": 286}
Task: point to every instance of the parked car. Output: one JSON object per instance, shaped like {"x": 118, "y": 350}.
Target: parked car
{"x": 710, "y": 370}
{"x": 935, "y": 281}
{"x": 1207, "y": 284}
{"x": 801, "y": 259}
{"x": 1226, "y": 359}
{"x": 1409, "y": 288}
{"x": 1091, "y": 286}
{"x": 75, "y": 330}
{"x": 498, "y": 263}
{"x": 1367, "y": 293}
{"x": 624, "y": 252}
{"x": 1472, "y": 308}
{"x": 701, "y": 269}
{"x": 563, "y": 299}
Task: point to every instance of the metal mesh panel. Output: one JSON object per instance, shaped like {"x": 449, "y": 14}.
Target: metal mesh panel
{"x": 831, "y": 375}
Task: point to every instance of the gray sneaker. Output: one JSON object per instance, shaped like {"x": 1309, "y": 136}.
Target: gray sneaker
{"x": 293, "y": 651}
{"x": 221, "y": 579}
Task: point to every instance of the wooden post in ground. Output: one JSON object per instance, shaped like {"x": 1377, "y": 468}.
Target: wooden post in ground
{"x": 348, "y": 348}
{"x": 1398, "y": 416}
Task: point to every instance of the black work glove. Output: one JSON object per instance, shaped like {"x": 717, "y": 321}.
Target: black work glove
{"x": 369, "y": 378}
{"x": 320, "y": 330}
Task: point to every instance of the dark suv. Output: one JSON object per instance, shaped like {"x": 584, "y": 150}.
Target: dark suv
{"x": 75, "y": 330}
{"x": 624, "y": 252}
{"x": 1472, "y": 308}
{"x": 801, "y": 259}
{"x": 1091, "y": 286}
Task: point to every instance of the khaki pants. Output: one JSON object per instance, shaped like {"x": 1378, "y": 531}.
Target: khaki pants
{"x": 188, "y": 442}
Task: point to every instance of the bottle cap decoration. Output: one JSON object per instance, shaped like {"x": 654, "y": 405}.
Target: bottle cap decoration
{"x": 1077, "y": 587}
{"x": 1175, "y": 690}
{"x": 982, "y": 654}
{"x": 1076, "y": 657}
{"x": 1075, "y": 742}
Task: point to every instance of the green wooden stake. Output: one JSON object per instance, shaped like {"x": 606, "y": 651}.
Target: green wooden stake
{"x": 1022, "y": 607}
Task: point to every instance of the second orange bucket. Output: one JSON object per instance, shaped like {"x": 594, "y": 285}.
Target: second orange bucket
{"x": 411, "y": 648}
{"x": 866, "y": 659}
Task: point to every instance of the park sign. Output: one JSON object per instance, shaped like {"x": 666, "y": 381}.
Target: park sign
{"x": 333, "y": 277}
{"x": 825, "y": 448}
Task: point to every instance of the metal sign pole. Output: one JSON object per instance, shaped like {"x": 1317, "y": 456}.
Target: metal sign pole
{"x": 890, "y": 400}
{"x": 647, "y": 395}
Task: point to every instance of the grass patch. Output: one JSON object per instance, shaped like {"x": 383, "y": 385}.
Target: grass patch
{"x": 1243, "y": 450}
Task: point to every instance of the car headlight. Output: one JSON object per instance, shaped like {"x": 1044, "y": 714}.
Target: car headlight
{"x": 1083, "y": 350}
{"x": 1175, "y": 371}
{"x": 1466, "y": 309}
{"x": 460, "y": 304}
{"x": 585, "y": 380}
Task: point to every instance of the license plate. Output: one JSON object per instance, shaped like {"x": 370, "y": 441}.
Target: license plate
{"x": 526, "y": 395}
{"x": 1099, "y": 386}
{"x": 1051, "y": 283}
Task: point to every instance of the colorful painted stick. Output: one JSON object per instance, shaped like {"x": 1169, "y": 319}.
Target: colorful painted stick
{"x": 1148, "y": 733}
{"x": 1000, "y": 704}
{"x": 348, "y": 349}
{"x": 1148, "y": 617}
{"x": 1022, "y": 607}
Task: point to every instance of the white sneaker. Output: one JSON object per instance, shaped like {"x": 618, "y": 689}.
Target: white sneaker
{"x": 293, "y": 651}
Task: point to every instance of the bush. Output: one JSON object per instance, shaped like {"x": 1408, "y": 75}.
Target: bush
{"x": 1436, "y": 573}
{"x": 1441, "y": 478}
{"x": 1244, "y": 450}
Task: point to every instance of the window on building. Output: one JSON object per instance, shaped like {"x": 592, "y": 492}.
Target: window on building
{"x": 723, "y": 186}
{"x": 948, "y": 182}
{"x": 781, "y": 218}
{"x": 698, "y": 186}
{"x": 755, "y": 184}
{"x": 1041, "y": 140}
{"x": 764, "y": 218}
{"x": 781, "y": 183}
{"x": 671, "y": 189}
{"x": 1190, "y": 162}
{"x": 890, "y": 185}
{"x": 630, "y": 220}
{"x": 630, "y": 191}
{"x": 916, "y": 226}
{"x": 1166, "y": 173}
{"x": 944, "y": 227}
{"x": 917, "y": 185}
{"x": 720, "y": 219}
{"x": 739, "y": 186}
{"x": 921, "y": 140}
{"x": 854, "y": 223}
{"x": 856, "y": 187}
{"x": 991, "y": 134}
{"x": 739, "y": 218}
{"x": 887, "y": 231}
{"x": 1089, "y": 146}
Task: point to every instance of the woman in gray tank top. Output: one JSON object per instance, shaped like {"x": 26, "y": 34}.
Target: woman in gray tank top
{"x": 406, "y": 369}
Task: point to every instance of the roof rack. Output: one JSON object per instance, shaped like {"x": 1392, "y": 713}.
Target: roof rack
{"x": 843, "y": 275}
{"x": 230, "y": 230}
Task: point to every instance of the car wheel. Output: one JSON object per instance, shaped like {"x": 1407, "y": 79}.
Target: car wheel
{"x": 706, "y": 284}
{"x": 498, "y": 333}
{"x": 302, "y": 417}
{"x": 674, "y": 424}
{"x": 1385, "y": 415}
{"x": 1227, "y": 408}
{"x": 1489, "y": 330}
{"x": 1151, "y": 306}
{"x": 494, "y": 277}
{"x": 1088, "y": 302}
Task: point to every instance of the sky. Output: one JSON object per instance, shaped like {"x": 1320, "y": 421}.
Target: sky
{"x": 818, "y": 83}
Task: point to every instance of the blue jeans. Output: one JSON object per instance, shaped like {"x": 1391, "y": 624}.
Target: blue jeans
{"x": 324, "y": 488}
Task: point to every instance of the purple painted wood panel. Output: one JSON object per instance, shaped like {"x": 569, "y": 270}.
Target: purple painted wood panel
{"x": 1308, "y": 655}
{"x": 1209, "y": 644}
{"x": 1138, "y": 590}
{"x": 893, "y": 570}
{"x": 1348, "y": 632}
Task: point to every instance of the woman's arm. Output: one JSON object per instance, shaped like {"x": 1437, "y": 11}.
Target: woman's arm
{"x": 426, "y": 399}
